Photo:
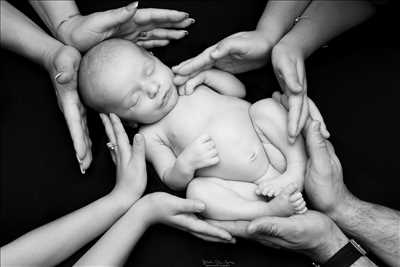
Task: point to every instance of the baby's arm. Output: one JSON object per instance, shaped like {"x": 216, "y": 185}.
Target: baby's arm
{"x": 269, "y": 119}
{"x": 221, "y": 81}
{"x": 177, "y": 172}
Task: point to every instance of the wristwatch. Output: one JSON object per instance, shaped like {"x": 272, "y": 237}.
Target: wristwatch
{"x": 346, "y": 256}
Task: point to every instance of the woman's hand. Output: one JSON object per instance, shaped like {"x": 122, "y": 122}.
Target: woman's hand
{"x": 177, "y": 212}
{"x": 236, "y": 53}
{"x": 148, "y": 27}
{"x": 62, "y": 65}
{"x": 129, "y": 160}
{"x": 288, "y": 64}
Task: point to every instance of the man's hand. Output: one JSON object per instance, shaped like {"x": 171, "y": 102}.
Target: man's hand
{"x": 324, "y": 178}
{"x": 164, "y": 208}
{"x": 236, "y": 53}
{"x": 62, "y": 66}
{"x": 148, "y": 27}
{"x": 129, "y": 160}
{"x": 200, "y": 153}
{"x": 288, "y": 64}
{"x": 311, "y": 233}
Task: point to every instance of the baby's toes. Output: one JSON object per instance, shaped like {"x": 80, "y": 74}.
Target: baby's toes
{"x": 296, "y": 196}
{"x": 300, "y": 206}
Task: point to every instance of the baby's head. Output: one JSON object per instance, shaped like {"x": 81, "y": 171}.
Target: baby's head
{"x": 117, "y": 76}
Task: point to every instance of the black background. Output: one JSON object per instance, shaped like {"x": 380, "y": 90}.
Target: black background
{"x": 354, "y": 81}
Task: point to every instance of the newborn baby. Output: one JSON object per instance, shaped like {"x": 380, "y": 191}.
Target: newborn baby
{"x": 226, "y": 152}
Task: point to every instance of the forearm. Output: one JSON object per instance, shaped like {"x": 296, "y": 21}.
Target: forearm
{"x": 224, "y": 83}
{"x": 114, "y": 246}
{"x": 23, "y": 36}
{"x": 178, "y": 176}
{"x": 52, "y": 243}
{"x": 54, "y": 12}
{"x": 279, "y": 16}
{"x": 324, "y": 20}
{"x": 377, "y": 227}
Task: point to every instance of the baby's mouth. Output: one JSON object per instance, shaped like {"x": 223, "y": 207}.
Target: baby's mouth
{"x": 166, "y": 97}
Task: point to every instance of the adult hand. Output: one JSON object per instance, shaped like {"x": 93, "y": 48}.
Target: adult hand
{"x": 236, "y": 53}
{"x": 148, "y": 27}
{"x": 288, "y": 65}
{"x": 311, "y": 233}
{"x": 179, "y": 213}
{"x": 129, "y": 160}
{"x": 324, "y": 177}
{"x": 63, "y": 67}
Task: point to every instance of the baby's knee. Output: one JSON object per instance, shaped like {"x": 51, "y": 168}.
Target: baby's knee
{"x": 200, "y": 188}
{"x": 264, "y": 109}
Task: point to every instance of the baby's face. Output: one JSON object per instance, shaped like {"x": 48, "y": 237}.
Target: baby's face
{"x": 139, "y": 87}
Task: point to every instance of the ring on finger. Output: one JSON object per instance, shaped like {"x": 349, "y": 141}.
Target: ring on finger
{"x": 112, "y": 146}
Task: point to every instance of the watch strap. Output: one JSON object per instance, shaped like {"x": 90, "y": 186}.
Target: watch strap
{"x": 346, "y": 256}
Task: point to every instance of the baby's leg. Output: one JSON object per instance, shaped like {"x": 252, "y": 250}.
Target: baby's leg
{"x": 234, "y": 200}
{"x": 270, "y": 122}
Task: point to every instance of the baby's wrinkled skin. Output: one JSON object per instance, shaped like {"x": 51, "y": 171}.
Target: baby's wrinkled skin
{"x": 231, "y": 148}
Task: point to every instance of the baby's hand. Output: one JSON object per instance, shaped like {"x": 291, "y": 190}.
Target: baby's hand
{"x": 201, "y": 153}
{"x": 190, "y": 82}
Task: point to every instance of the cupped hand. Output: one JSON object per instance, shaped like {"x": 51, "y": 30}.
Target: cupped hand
{"x": 180, "y": 213}
{"x": 63, "y": 67}
{"x": 288, "y": 65}
{"x": 148, "y": 27}
{"x": 129, "y": 159}
{"x": 324, "y": 176}
{"x": 236, "y": 53}
{"x": 311, "y": 233}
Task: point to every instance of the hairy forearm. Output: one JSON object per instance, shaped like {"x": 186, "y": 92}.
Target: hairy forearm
{"x": 53, "y": 242}
{"x": 279, "y": 16}
{"x": 377, "y": 227}
{"x": 114, "y": 246}
{"x": 324, "y": 20}
{"x": 54, "y": 12}
{"x": 23, "y": 36}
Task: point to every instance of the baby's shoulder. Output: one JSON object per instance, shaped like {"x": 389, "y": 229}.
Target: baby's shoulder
{"x": 151, "y": 132}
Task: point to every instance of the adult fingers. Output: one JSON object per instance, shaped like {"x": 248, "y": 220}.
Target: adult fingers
{"x": 156, "y": 15}
{"x": 138, "y": 149}
{"x": 108, "y": 128}
{"x": 111, "y": 18}
{"x": 152, "y": 43}
{"x": 236, "y": 228}
{"x": 287, "y": 71}
{"x": 80, "y": 137}
{"x": 304, "y": 115}
{"x": 203, "y": 61}
{"x": 191, "y": 223}
{"x": 316, "y": 115}
{"x": 180, "y": 80}
{"x": 213, "y": 239}
{"x": 121, "y": 137}
{"x": 317, "y": 148}
{"x": 162, "y": 34}
{"x": 228, "y": 46}
{"x": 295, "y": 107}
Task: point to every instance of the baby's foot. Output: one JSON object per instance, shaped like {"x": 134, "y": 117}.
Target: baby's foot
{"x": 273, "y": 187}
{"x": 288, "y": 202}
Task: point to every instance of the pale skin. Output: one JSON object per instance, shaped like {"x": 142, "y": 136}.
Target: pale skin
{"x": 185, "y": 139}
{"x": 147, "y": 27}
{"x": 122, "y": 212}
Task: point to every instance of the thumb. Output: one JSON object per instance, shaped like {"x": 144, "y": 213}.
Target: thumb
{"x": 114, "y": 17}
{"x": 317, "y": 147}
{"x": 269, "y": 226}
{"x": 138, "y": 149}
{"x": 226, "y": 47}
{"x": 190, "y": 206}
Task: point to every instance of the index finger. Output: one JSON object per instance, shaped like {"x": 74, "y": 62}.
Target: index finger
{"x": 121, "y": 136}
{"x": 236, "y": 228}
{"x": 203, "y": 61}
{"x": 158, "y": 15}
{"x": 108, "y": 127}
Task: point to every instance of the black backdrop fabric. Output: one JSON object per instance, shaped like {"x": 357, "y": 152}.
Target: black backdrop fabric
{"x": 354, "y": 81}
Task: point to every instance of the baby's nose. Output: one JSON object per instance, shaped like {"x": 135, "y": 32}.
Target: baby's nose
{"x": 153, "y": 89}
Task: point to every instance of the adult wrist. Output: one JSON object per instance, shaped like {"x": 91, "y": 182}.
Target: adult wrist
{"x": 344, "y": 208}
{"x": 330, "y": 246}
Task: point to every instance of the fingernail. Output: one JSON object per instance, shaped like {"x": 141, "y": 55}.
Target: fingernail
{"x": 79, "y": 160}
{"x": 186, "y": 15}
{"x": 192, "y": 21}
{"x": 143, "y": 34}
{"x": 82, "y": 169}
{"x": 200, "y": 206}
{"x": 137, "y": 138}
{"x": 58, "y": 76}
{"x": 186, "y": 32}
{"x": 132, "y": 6}
{"x": 233, "y": 240}
{"x": 317, "y": 126}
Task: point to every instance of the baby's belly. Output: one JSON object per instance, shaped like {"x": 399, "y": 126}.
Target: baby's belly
{"x": 240, "y": 151}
